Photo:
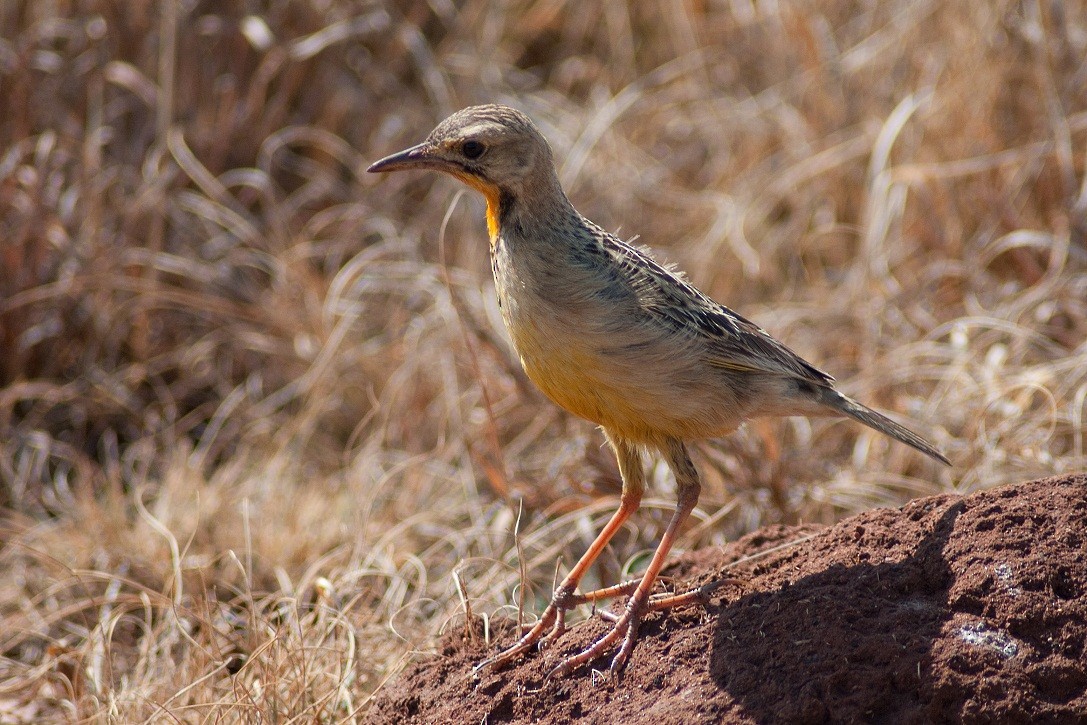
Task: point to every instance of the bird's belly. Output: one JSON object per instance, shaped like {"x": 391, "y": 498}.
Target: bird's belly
{"x": 579, "y": 385}
{"x": 576, "y": 381}
{"x": 636, "y": 396}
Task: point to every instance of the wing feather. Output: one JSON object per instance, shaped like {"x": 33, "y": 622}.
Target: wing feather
{"x": 732, "y": 342}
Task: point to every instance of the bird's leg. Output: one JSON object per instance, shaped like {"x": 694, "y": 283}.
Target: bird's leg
{"x": 553, "y": 617}
{"x": 626, "y": 625}
{"x": 564, "y": 598}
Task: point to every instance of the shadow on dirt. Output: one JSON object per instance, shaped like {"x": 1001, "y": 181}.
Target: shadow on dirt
{"x": 850, "y": 643}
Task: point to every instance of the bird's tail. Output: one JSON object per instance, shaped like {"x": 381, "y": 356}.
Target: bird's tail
{"x": 862, "y": 413}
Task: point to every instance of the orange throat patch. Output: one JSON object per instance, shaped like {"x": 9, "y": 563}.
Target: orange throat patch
{"x": 491, "y": 193}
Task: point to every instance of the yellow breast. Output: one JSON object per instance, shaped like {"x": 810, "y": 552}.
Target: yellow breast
{"x": 582, "y": 382}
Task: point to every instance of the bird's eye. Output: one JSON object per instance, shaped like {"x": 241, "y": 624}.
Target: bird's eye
{"x": 472, "y": 149}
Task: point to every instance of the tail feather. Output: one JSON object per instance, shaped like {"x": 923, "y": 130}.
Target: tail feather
{"x": 877, "y": 421}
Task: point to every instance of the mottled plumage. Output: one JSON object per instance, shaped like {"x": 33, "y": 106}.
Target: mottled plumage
{"x": 613, "y": 336}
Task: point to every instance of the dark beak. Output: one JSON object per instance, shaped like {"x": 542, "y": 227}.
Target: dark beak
{"x": 417, "y": 157}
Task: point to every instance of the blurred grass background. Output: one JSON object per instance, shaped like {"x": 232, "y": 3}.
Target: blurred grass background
{"x": 262, "y": 435}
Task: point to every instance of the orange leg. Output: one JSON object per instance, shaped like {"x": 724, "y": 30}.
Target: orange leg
{"x": 626, "y": 625}
{"x": 554, "y": 617}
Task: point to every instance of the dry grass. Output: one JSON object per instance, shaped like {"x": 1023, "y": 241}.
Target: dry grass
{"x": 258, "y": 415}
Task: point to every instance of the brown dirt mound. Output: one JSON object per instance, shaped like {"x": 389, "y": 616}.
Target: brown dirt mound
{"x": 950, "y": 609}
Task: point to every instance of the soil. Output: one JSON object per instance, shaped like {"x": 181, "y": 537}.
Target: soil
{"x": 949, "y": 609}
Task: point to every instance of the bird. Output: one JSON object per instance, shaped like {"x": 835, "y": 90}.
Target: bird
{"x": 613, "y": 336}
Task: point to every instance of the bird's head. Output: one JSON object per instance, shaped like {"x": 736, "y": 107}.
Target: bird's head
{"x": 495, "y": 149}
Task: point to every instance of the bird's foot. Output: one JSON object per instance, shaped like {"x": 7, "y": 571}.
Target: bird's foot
{"x": 550, "y": 626}
{"x": 625, "y": 625}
